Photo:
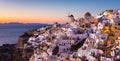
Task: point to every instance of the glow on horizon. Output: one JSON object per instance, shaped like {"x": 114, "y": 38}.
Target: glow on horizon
{"x": 46, "y": 11}
{"x": 8, "y": 20}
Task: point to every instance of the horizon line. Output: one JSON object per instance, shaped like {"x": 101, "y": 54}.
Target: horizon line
{"x": 23, "y": 23}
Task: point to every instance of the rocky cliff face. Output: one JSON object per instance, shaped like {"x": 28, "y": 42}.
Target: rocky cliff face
{"x": 7, "y": 52}
{"x": 17, "y": 52}
{"x": 23, "y": 53}
{"x": 23, "y": 39}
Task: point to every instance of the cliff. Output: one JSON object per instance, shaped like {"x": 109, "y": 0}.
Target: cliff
{"x": 17, "y": 52}
{"x": 7, "y": 52}
{"x": 23, "y": 39}
{"x": 24, "y": 53}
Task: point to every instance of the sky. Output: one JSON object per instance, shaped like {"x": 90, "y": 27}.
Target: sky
{"x": 50, "y": 11}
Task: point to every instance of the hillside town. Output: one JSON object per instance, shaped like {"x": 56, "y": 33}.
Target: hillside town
{"x": 92, "y": 38}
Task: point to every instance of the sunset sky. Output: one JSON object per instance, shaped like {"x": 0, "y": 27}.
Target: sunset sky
{"x": 49, "y": 11}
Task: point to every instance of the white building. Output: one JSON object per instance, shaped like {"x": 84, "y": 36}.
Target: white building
{"x": 71, "y": 18}
{"x": 100, "y": 26}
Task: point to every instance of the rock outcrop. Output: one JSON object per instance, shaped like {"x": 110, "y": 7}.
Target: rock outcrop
{"x": 7, "y": 52}
{"x": 22, "y": 53}
{"x": 17, "y": 52}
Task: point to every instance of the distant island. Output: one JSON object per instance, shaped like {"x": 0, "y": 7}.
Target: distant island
{"x": 12, "y": 23}
{"x": 20, "y": 23}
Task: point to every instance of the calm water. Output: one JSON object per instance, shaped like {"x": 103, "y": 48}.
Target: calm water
{"x": 9, "y": 33}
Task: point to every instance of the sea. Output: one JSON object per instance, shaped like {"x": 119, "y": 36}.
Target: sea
{"x": 9, "y": 33}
